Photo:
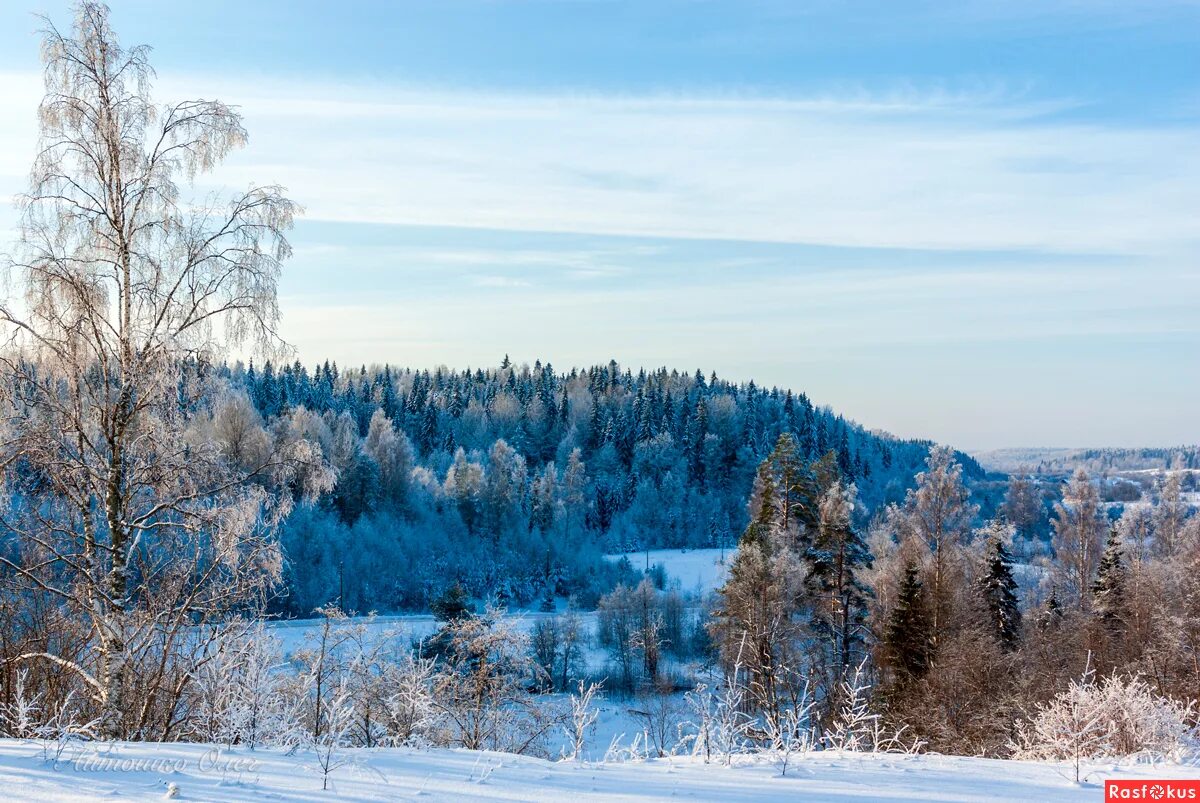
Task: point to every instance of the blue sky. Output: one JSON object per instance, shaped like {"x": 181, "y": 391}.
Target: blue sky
{"x": 971, "y": 221}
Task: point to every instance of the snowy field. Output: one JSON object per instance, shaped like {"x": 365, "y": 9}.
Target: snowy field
{"x": 199, "y": 772}
{"x": 406, "y": 628}
{"x": 693, "y": 571}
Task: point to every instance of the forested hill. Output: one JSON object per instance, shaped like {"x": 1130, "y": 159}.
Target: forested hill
{"x": 664, "y": 459}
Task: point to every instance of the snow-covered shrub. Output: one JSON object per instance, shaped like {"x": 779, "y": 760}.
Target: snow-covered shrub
{"x": 53, "y": 726}
{"x": 337, "y": 726}
{"x": 481, "y": 688}
{"x": 857, "y": 727}
{"x": 1119, "y": 717}
{"x": 619, "y": 752}
{"x": 729, "y": 718}
{"x": 791, "y": 731}
{"x": 376, "y": 670}
{"x": 242, "y": 691}
{"x": 718, "y": 723}
{"x": 582, "y": 719}
{"x": 410, "y": 709}
{"x": 659, "y": 714}
{"x": 701, "y": 704}
{"x": 23, "y": 715}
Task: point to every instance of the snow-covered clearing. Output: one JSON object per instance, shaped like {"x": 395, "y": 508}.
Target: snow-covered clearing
{"x": 692, "y": 570}
{"x": 406, "y": 628}
{"x": 202, "y": 772}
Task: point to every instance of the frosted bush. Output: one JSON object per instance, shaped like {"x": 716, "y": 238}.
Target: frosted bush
{"x": 1113, "y": 719}
{"x": 241, "y": 696}
{"x": 856, "y": 727}
{"x": 55, "y": 727}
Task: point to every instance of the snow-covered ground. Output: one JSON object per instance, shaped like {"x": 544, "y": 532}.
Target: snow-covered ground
{"x": 693, "y": 570}
{"x": 407, "y": 628}
{"x": 199, "y": 772}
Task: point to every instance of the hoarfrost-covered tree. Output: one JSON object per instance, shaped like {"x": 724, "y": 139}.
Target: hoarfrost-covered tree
{"x": 1079, "y": 525}
{"x": 464, "y": 485}
{"x": 839, "y": 557}
{"x": 1136, "y": 526}
{"x": 938, "y": 515}
{"x": 393, "y": 453}
{"x": 503, "y": 491}
{"x": 756, "y": 624}
{"x": 1170, "y": 516}
{"x": 122, "y": 509}
{"x": 1023, "y": 505}
{"x": 481, "y": 687}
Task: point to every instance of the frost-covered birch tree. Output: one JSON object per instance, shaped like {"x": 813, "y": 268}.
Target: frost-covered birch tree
{"x": 1079, "y": 527}
{"x": 121, "y": 505}
{"x": 1170, "y": 516}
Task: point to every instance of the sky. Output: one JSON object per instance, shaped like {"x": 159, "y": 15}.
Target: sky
{"x": 976, "y": 222}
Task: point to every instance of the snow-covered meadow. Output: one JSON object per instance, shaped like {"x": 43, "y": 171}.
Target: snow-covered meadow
{"x": 147, "y": 771}
{"x": 693, "y": 572}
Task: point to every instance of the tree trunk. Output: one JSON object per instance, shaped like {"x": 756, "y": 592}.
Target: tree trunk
{"x": 114, "y": 659}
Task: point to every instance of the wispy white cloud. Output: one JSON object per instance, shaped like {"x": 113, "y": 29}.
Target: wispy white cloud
{"x": 500, "y": 281}
{"x": 935, "y": 175}
{"x": 934, "y": 169}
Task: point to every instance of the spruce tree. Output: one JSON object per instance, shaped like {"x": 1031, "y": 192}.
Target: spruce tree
{"x": 452, "y": 605}
{"x": 997, "y": 592}
{"x": 908, "y": 630}
{"x": 762, "y": 503}
{"x": 429, "y": 429}
{"x": 1051, "y": 613}
{"x": 1109, "y": 588}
